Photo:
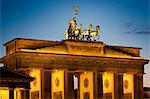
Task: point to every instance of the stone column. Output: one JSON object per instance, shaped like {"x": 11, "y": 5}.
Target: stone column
{"x": 78, "y": 90}
{"x": 138, "y": 86}
{"x": 46, "y": 84}
{"x": 11, "y": 93}
{"x": 22, "y": 94}
{"x": 68, "y": 85}
{"x": 27, "y": 91}
{"x": 118, "y": 86}
{"x": 25, "y": 94}
{"x": 140, "y": 79}
{"x": 98, "y": 85}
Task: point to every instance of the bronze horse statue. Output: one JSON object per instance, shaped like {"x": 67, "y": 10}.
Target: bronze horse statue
{"x": 74, "y": 31}
{"x": 90, "y": 34}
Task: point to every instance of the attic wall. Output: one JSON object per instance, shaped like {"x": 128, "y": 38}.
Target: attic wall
{"x": 32, "y": 44}
{"x": 113, "y": 53}
{"x": 11, "y": 48}
{"x": 14, "y": 45}
{"x": 133, "y": 51}
{"x": 71, "y": 47}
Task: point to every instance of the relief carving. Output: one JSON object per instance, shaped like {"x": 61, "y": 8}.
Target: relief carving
{"x": 106, "y": 83}
{"x": 86, "y": 82}
{"x": 35, "y": 95}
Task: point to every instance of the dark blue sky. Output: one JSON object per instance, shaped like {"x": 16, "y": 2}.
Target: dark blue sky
{"x": 123, "y": 22}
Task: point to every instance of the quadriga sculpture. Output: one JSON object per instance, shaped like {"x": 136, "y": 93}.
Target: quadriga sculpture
{"x": 86, "y": 33}
{"x": 95, "y": 34}
{"x": 74, "y": 31}
{"x": 90, "y": 34}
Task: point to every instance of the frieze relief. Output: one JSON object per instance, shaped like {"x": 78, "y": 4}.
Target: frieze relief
{"x": 85, "y": 50}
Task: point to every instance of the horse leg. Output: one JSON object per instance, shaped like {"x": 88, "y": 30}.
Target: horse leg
{"x": 90, "y": 38}
{"x": 78, "y": 37}
{"x": 71, "y": 36}
{"x": 82, "y": 38}
{"x": 87, "y": 37}
{"x": 75, "y": 37}
{"x": 97, "y": 37}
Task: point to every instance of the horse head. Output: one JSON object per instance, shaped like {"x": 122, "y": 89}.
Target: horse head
{"x": 89, "y": 27}
{"x": 97, "y": 27}
{"x": 81, "y": 27}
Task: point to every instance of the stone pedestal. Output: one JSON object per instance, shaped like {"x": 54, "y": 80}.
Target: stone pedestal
{"x": 118, "y": 86}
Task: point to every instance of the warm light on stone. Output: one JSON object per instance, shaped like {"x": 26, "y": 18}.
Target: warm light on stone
{"x": 54, "y": 64}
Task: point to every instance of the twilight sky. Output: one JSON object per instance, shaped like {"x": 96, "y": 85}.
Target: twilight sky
{"x": 122, "y": 22}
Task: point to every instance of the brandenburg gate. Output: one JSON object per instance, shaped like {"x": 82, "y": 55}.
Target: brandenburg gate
{"x": 102, "y": 70}
{"x": 99, "y": 71}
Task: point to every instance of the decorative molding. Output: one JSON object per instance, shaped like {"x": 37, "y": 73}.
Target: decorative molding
{"x": 86, "y": 82}
{"x": 58, "y": 61}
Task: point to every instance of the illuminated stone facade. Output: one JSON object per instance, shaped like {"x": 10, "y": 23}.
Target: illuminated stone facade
{"x": 102, "y": 71}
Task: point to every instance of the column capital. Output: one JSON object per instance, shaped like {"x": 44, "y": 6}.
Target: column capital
{"x": 27, "y": 86}
{"x": 119, "y": 73}
{"x": 11, "y": 88}
{"x": 100, "y": 72}
{"x": 27, "y": 89}
{"x": 139, "y": 74}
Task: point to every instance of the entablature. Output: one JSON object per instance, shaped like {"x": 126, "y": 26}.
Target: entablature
{"x": 62, "y": 61}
